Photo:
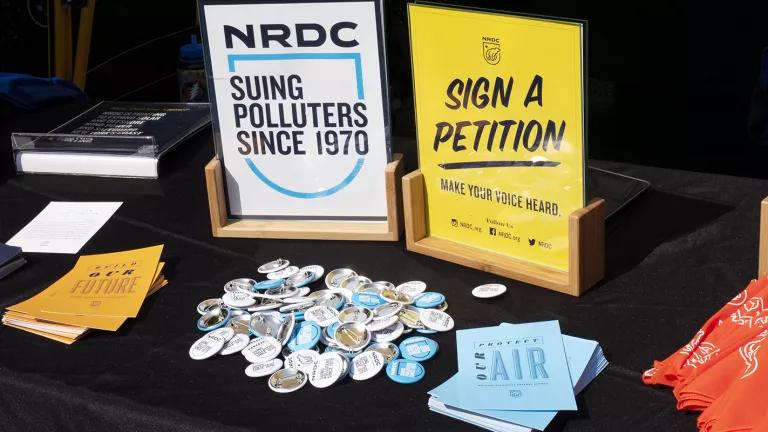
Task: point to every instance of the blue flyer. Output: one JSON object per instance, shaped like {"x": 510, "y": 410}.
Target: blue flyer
{"x": 579, "y": 354}
{"x": 520, "y": 367}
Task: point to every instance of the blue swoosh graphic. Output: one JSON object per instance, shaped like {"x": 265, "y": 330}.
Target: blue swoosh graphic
{"x": 307, "y": 195}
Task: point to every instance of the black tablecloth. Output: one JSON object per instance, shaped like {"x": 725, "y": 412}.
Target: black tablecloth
{"x": 674, "y": 256}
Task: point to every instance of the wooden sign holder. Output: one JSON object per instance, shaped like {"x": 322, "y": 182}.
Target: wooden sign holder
{"x": 586, "y": 260}
{"x": 762, "y": 263}
{"x": 223, "y": 226}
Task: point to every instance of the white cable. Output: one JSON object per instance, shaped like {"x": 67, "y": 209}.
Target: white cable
{"x": 139, "y": 46}
{"x": 145, "y": 86}
{"x": 32, "y": 17}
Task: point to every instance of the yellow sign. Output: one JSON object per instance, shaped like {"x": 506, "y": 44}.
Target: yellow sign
{"x": 500, "y": 127}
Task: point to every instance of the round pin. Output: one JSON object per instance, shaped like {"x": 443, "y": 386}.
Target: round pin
{"x": 411, "y": 317}
{"x": 328, "y": 298}
{"x": 299, "y": 306}
{"x": 489, "y": 290}
{"x": 436, "y": 320}
{"x": 334, "y": 277}
{"x": 300, "y": 278}
{"x": 284, "y": 273}
{"x": 367, "y": 300}
{"x": 238, "y": 299}
{"x": 316, "y": 270}
{"x": 261, "y": 349}
{"x": 305, "y": 336}
{"x": 262, "y": 369}
{"x": 345, "y": 293}
{"x": 240, "y": 284}
{"x": 354, "y": 282}
{"x": 330, "y": 331}
{"x": 273, "y": 266}
{"x": 392, "y": 296}
{"x": 268, "y": 284}
{"x": 346, "y": 355}
{"x": 241, "y": 324}
{"x": 236, "y": 344}
{"x": 327, "y": 340}
{"x": 443, "y": 306}
{"x": 355, "y": 314}
{"x": 418, "y": 348}
{"x": 405, "y": 371}
{"x": 389, "y": 334}
{"x": 282, "y": 291}
{"x": 425, "y": 331}
{"x": 327, "y": 369}
{"x": 265, "y": 304}
{"x": 302, "y": 360}
{"x": 210, "y": 344}
{"x": 287, "y": 380}
{"x": 352, "y": 336}
{"x": 286, "y": 329}
{"x": 287, "y": 351}
{"x": 411, "y": 288}
{"x": 213, "y": 319}
{"x": 381, "y": 324}
{"x": 429, "y": 300}
{"x": 206, "y": 306}
{"x": 382, "y": 285}
{"x": 265, "y": 324}
{"x": 389, "y": 350}
{"x": 322, "y": 315}
{"x": 370, "y": 288}
{"x": 366, "y": 365}
{"x": 386, "y": 310}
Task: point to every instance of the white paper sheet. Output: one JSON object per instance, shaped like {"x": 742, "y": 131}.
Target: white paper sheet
{"x": 64, "y": 227}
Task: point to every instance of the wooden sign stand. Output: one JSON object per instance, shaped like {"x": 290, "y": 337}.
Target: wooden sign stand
{"x": 586, "y": 261}
{"x": 762, "y": 263}
{"x": 223, "y": 226}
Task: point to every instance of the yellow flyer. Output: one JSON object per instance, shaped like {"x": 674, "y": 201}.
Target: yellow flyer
{"x": 32, "y": 308}
{"x": 111, "y": 285}
{"x": 501, "y": 128}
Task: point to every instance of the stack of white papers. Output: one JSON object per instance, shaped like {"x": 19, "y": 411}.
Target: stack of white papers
{"x": 510, "y": 377}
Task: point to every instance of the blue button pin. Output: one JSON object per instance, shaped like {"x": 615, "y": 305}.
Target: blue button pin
{"x": 212, "y": 320}
{"x": 405, "y": 371}
{"x": 429, "y": 300}
{"x": 331, "y": 330}
{"x": 268, "y": 284}
{"x": 418, "y": 348}
{"x": 367, "y": 300}
{"x": 305, "y": 336}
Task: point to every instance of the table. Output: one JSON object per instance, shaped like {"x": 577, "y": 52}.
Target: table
{"x": 674, "y": 257}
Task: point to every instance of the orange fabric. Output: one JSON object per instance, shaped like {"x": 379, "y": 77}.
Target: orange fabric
{"x": 744, "y": 404}
{"x": 700, "y": 391}
{"x": 727, "y": 329}
{"x": 719, "y": 371}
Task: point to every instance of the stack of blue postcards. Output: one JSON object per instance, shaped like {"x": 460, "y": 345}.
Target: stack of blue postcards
{"x": 517, "y": 377}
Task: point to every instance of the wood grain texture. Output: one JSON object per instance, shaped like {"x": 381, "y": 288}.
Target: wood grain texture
{"x": 586, "y": 256}
{"x": 762, "y": 263}
{"x": 221, "y": 226}
{"x": 83, "y": 43}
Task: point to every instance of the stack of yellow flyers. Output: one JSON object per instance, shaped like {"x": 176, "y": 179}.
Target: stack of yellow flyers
{"x": 100, "y": 292}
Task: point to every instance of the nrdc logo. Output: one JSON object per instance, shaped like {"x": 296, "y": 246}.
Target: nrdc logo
{"x": 491, "y": 50}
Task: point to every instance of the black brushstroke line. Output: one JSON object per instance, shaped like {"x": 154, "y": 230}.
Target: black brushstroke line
{"x": 498, "y": 164}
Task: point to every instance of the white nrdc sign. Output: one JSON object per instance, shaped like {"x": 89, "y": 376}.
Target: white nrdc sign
{"x": 299, "y": 103}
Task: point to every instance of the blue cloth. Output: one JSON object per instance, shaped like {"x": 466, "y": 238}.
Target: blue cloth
{"x": 29, "y": 92}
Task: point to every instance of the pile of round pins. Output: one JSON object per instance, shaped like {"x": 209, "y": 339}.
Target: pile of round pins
{"x": 356, "y": 319}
